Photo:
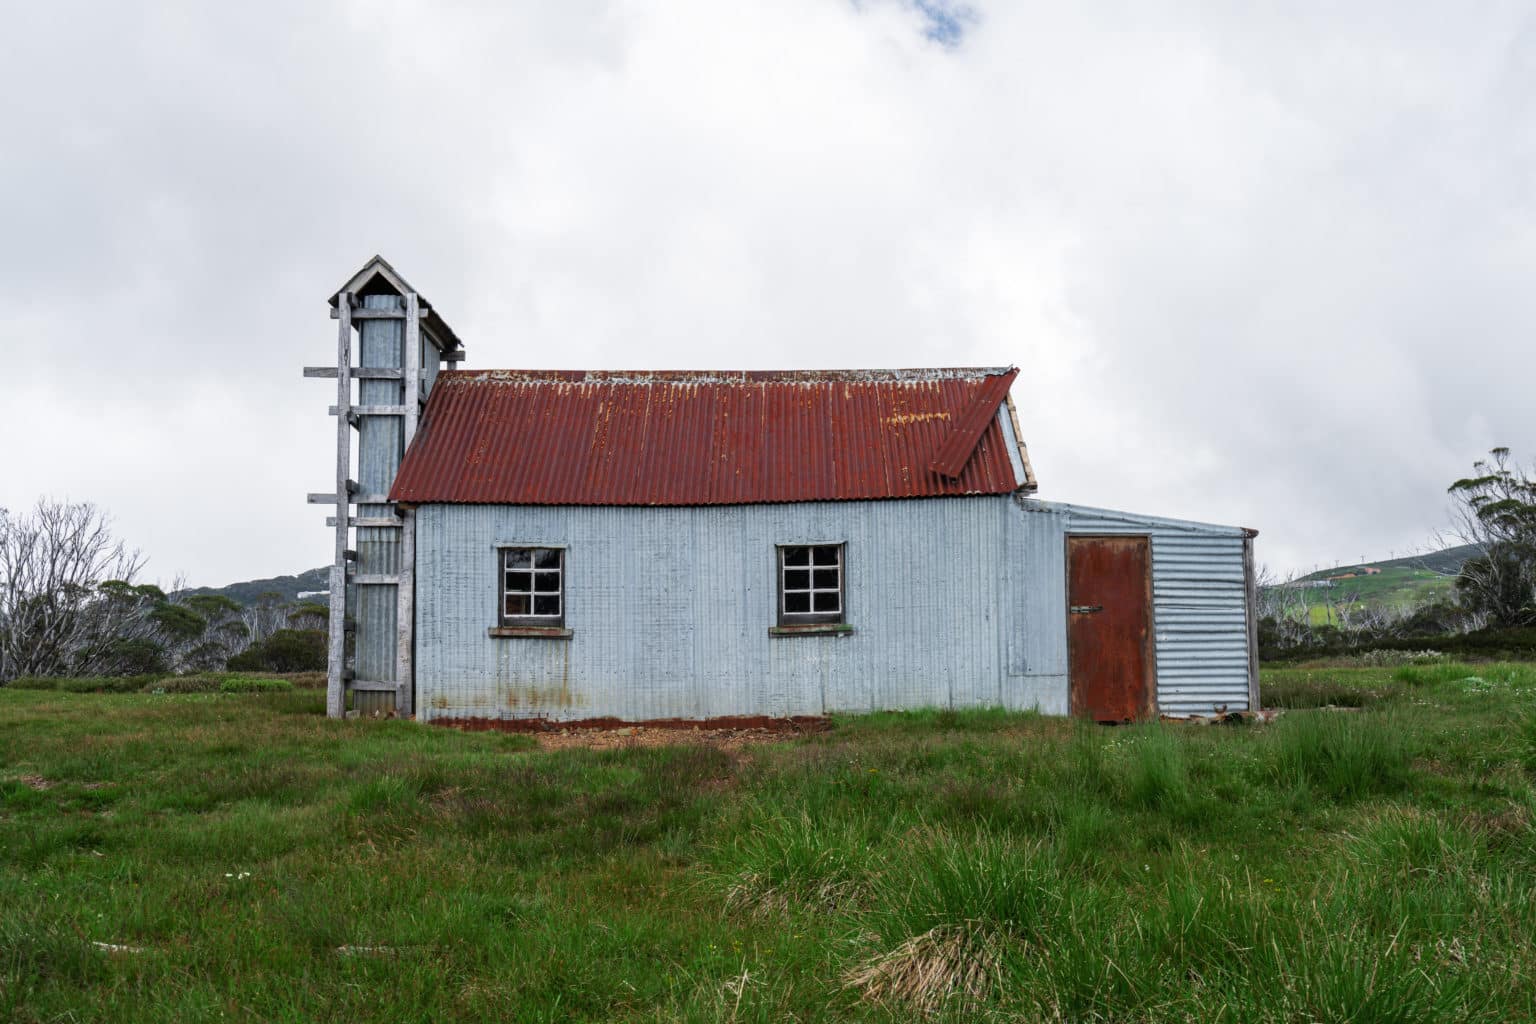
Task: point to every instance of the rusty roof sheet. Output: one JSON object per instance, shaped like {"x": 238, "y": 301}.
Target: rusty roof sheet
{"x": 577, "y": 437}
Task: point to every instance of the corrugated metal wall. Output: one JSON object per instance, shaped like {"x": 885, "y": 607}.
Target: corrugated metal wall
{"x": 670, "y": 610}
{"x": 378, "y": 459}
{"x": 1199, "y": 601}
{"x": 955, "y": 602}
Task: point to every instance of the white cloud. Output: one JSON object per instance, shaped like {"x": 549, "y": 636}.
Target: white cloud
{"x": 1258, "y": 267}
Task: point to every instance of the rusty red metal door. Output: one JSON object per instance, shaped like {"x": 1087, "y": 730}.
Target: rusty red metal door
{"x": 1109, "y": 619}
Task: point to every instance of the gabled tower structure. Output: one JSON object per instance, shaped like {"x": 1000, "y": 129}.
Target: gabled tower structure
{"x": 392, "y": 342}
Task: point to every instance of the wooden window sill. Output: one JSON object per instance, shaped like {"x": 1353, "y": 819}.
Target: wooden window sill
{"x": 544, "y": 632}
{"x": 812, "y": 629}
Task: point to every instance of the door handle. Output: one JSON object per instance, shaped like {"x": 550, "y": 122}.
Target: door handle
{"x": 1086, "y": 609}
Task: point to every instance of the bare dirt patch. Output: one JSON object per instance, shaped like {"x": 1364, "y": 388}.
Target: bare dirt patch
{"x": 652, "y": 736}
{"x": 614, "y": 733}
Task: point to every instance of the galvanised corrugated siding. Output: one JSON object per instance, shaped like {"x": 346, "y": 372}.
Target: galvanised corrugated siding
{"x": 645, "y": 438}
{"x": 378, "y": 458}
{"x": 1199, "y": 599}
{"x": 670, "y": 609}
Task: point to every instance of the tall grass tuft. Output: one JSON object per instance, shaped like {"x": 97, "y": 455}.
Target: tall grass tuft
{"x": 1342, "y": 756}
{"x": 1157, "y": 778}
{"x": 1527, "y": 741}
{"x": 953, "y": 916}
{"x": 789, "y": 863}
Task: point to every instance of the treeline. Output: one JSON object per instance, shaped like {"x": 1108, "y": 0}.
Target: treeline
{"x": 71, "y": 604}
{"x": 1492, "y": 611}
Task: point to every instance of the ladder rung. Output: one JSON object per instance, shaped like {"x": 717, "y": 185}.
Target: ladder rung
{"x": 370, "y": 410}
{"x": 373, "y": 686}
{"x": 358, "y": 313}
{"x": 366, "y": 523}
{"x": 367, "y": 579}
{"x": 322, "y": 498}
{"x": 372, "y": 314}
{"x": 356, "y": 372}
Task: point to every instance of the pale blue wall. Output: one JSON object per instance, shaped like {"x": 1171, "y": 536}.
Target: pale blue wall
{"x": 955, "y": 602}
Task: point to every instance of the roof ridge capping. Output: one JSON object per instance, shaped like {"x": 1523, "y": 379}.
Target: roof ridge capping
{"x": 870, "y": 375}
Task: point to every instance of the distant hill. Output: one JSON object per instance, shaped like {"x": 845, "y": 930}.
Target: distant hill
{"x": 288, "y": 587}
{"x": 1446, "y": 562}
{"x": 1399, "y": 582}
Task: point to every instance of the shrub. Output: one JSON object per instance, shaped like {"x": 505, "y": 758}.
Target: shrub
{"x": 1380, "y": 658}
{"x": 86, "y": 684}
{"x": 287, "y": 650}
{"x": 138, "y": 657}
{"x": 184, "y": 684}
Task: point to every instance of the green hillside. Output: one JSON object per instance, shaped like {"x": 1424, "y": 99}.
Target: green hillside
{"x": 1396, "y": 582}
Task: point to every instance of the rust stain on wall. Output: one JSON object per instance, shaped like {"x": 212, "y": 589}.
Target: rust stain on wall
{"x": 515, "y": 696}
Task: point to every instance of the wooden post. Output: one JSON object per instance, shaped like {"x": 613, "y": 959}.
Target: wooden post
{"x": 410, "y": 396}
{"x": 335, "y": 682}
{"x": 405, "y": 588}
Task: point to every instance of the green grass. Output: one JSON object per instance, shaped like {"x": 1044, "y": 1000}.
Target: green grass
{"x": 239, "y": 856}
{"x": 206, "y": 682}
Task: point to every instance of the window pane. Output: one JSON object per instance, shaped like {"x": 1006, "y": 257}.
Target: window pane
{"x": 797, "y": 556}
{"x": 795, "y": 604}
{"x": 517, "y": 604}
{"x": 546, "y": 582}
{"x": 826, "y": 601}
{"x": 797, "y": 579}
{"x": 519, "y": 581}
{"x": 518, "y": 558}
{"x": 546, "y": 558}
{"x": 546, "y": 604}
{"x": 826, "y": 579}
{"x": 826, "y": 555}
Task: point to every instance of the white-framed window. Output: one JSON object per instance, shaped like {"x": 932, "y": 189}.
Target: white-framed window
{"x": 532, "y": 586}
{"x": 811, "y": 583}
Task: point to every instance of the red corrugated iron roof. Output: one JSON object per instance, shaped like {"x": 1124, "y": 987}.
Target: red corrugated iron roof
{"x": 560, "y": 437}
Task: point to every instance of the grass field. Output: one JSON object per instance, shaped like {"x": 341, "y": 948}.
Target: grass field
{"x": 239, "y": 857}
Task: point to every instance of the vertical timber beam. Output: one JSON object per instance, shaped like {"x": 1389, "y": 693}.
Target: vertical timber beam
{"x": 405, "y": 587}
{"x": 410, "y": 377}
{"x": 335, "y": 681}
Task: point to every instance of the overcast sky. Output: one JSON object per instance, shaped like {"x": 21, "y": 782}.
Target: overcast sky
{"x": 1263, "y": 264}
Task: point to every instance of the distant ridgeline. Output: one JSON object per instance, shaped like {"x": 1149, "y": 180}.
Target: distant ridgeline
{"x": 311, "y": 585}
{"x": 1447, "y": 562}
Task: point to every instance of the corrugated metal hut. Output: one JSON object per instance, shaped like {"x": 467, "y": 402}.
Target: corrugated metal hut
{"x": 651, "y": 545}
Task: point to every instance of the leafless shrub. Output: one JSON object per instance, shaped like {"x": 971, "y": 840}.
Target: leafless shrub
{"x": 68, "y": 600}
